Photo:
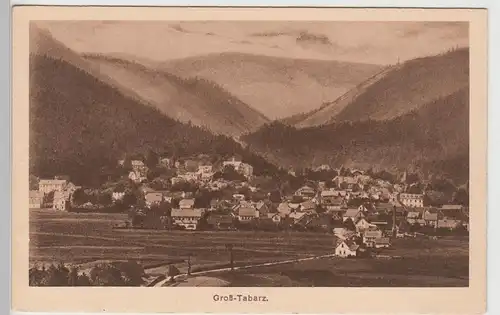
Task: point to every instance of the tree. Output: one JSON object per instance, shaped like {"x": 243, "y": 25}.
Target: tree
{"x": 73, "y": 277}
{"x": 320, "y": 209}
{"x": 106, "y": 275}
{"x": 173, "y": 272}
{"x": 151, "y": 159}
{"x": 349, "y": 225}
{"x": 33, "y": 182}
{"x": 229, "y": 173}
{"x": 79, "y": 197}
{"x": 203, "y": 199}
{"x": 461, "y": 197}
{"x": 48, "y": 199}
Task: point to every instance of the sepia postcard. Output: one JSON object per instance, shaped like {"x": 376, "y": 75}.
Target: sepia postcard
{"x": 249, "y": 160}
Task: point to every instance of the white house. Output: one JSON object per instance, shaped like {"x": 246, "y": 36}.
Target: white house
{"x": 362, "y": 224}
{"x": 346, "y": 248}
{"x": 36, "y": 199}
{"x": 187, "y": 218}
{"x": 136, "y": 177}
{"x": 48, "y": 185}
{"x": 117, "y": 195}
{"x": 412, "y": 200}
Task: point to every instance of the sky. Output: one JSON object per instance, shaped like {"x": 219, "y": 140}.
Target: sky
{"x": 365, "y": 42}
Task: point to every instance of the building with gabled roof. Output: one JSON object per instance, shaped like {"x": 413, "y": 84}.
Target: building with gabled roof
{"x": 346, "y": 248}
{"x": 188, "y": 218}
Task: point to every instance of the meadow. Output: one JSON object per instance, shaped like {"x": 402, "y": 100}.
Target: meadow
{"x": 84, "y": 239}
{"x": 414, "y": 263}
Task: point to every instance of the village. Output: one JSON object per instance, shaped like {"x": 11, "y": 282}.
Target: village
{"x": 361, "y": 211}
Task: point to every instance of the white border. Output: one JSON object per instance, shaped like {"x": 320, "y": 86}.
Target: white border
{"x": 493, "y": 109}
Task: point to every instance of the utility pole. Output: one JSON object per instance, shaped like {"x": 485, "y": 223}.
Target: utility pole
{"x": 394, "y": 231}
{"x": 189, "y": 264}
{"x": 231, "y": 258}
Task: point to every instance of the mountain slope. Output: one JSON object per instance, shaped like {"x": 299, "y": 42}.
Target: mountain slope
{"x": 277, "y": 87}
{"x": 428, "y": 138}
{"x": 194, "y": 100}
{"x": 396, "y": 90}
{"x": 80, "y": 123}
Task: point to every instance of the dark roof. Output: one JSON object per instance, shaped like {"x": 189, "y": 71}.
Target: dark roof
{"x": 219, "y": 218}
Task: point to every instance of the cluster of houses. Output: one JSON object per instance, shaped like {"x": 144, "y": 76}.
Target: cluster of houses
{"x": 360, "y": 211}
{"x": 188, "y": 171}
{"x": 60, "y": 189}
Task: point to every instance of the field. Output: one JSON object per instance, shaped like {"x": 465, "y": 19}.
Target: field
{"x": 85, "y": 238}
{"x": 419, "y": 263}
{"x": 82, "y": 238}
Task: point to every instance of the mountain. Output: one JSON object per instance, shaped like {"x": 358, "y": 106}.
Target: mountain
{"x": 81, "y": 123}
{"x": 194, "y": 100}
{"x": 433, "y": 138}
{"x": 275, "y": 86}
{"x": 395, "y": 90}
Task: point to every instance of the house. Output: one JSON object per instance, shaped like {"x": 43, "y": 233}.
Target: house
{"x": 353, "y": 214}
{"x": 346, "y": 248}
{"x": 345, "y": 182}
{"x": 382, "y": 242}
{"x": 412, "y": 200}
{"x": 430, "y": 218}
{"x": 331, "y": 199}
{"x": 177, "y": 180}
{"x": 217, "y": 185}
{"x": 284, "y": 209}
{"x": 356, "y": 172}
{"x": 298, "y": 217}
{"x": 404, "y": 229}
{"x": 449, "y": 223}
{"x": 363, "y": 208}
{"x": 61, "y": 201}
{"x": 239, "y": 197}
{"x": 136, "y": 177}
{"x": 369, "y": 236}
{"x": 206, "y": 177}
{"x": 153, "y": 198}
{"x": 170, "y": 196}
{"x": 306, "y": 192}
{"x": 117, "y": 195}
{"x": 456, "y": 212}
{"x": 384, "y": 207}
{"x": 205, "y": 169}
{"x": 138, "y": 166}
{"x": 35, "y": 199}
{"x": 186, "y": 204}
{"x": 308, "y": 206}
{"x": 336, "y": 214}
{"x": 362, "y": 224}
{"x": 323, "y": 167}
{"x": 188, "y": 218}
{"x": 452, "y": 207}
{"x": 242, "y": 168}
{"x": 166, "y": 162}
{"x": 48, "y": 185}
{"x": 221, "y": 221}
{"x": 413, "y": 216}
{"x": 247, "y": 213}
{"x": 191, "y": 165}
{"x": 275, "y": 217}
{"x": 339, "y": 231}
{"x": 263, "y": 208}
